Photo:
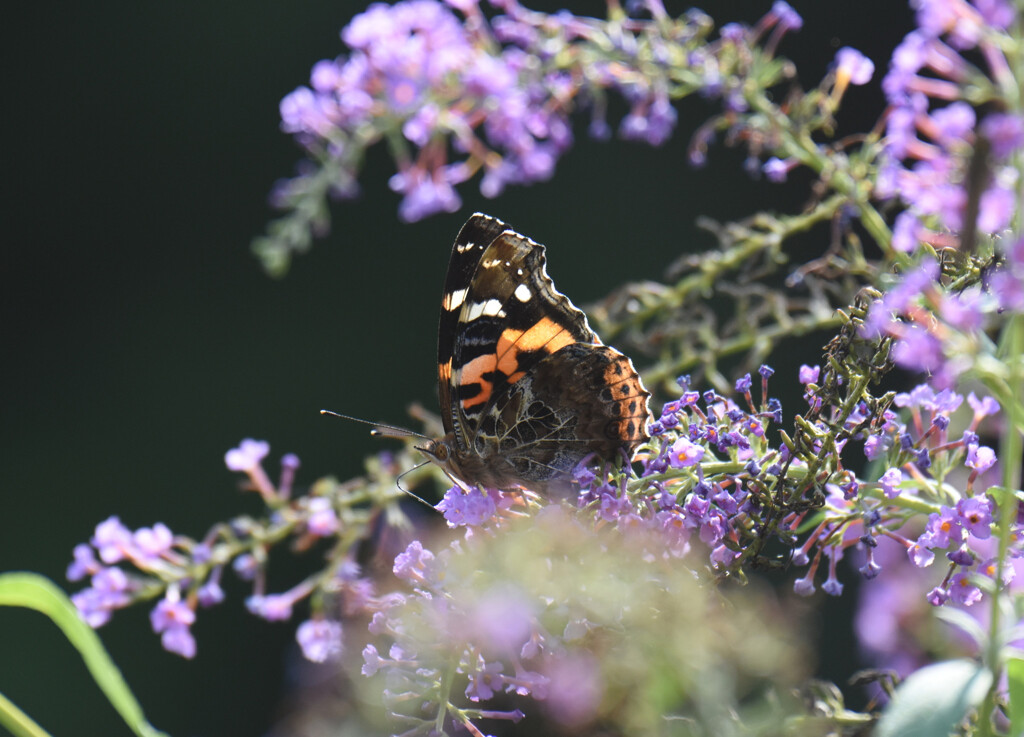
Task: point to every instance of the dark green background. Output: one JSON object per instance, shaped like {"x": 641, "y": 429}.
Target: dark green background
{"x": 142, "y": 340}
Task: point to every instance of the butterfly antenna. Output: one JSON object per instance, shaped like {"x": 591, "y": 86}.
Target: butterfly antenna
{"x": 379, "y": 428}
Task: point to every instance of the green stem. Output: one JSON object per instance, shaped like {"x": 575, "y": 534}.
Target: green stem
{"x": 1010, "y": 453}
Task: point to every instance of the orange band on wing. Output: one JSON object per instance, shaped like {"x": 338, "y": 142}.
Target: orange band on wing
{"x": 546, "y": 334}
{"x": 473, "y": 373}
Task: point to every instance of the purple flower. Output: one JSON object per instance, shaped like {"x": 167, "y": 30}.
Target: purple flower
{"x": 320, "y": 639}
{"x": 996, "y": 209}
{"x": 170, "y": 613}
{"x": 919, "y": 555}
{"x": 153, "y": 542}
{"x": 938, "y": 596}
{"x": 853, "y": 67}
{"x": 472, "y": 508}
{"x": 975, "y": 514}
{"x": 684, "y": 453}
{"x": 425, "y": 194}
{"x": 271, "y": 607}
{"x": 322, "y": 520}
{"x": 415, "y": 564}
{"x": 918, "y": 350}
{"x": 614, "y": 506}
{"x": 777, "y": 170}
{"x": 962, "y": 591}
{"x": 304, "y": 112}
{"x": 982, "y": 407}
{"x": 953, "y": 123}
{"x": 325, "y": 76}
{"x": 990, "y": 566}
{"x": 962, "y": 310}
{"x": 980, "y": 458}
{"x": 484, "y": 679}
{"x": 943, "y": 529}
{"x": 870, "y": 569}
{"x": 713, "y": 527}
{"x": 1005, "y": 132}
{"x": 171, "y": 619}
{"x": 210, "y": 594}
{"x": 246, "y": 566}
{"x": 832, "y": 586}
{"x": 109, "y": 591}
{"x": 722, "y": 557}
{"x": 1008, "y": 288}
{"x": 996, "y": 13}
{"x": 809, "y": 374}
{"x": 372, "y": 661}
{"x": 905, "y": 232}
{"x": 876, "y": 446}
{"x": 890, "y": 482}
{"x": 962, "y": 556}
{"x": 289, "y": 465}
{"x": 84, "y": 563}
{"x": 787, "y": 18}
{"x": 743, "y": 384}
{"x": 113, "y": 540}
{"x": 180, "y": 641}
{"x": 677, "y": 534}
{"x": 945, "y": 401}
{"x": 247, "y": 456}
{"x": 804, "y": 586}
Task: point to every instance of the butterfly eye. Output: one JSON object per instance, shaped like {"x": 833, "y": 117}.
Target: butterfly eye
{"x": 436, "y": 449}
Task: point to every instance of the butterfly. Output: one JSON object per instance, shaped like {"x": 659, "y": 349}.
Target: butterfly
{"x": 527, "y": 390}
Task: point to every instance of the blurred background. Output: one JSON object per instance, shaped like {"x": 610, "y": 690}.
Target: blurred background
{"x": 142, "y": 339}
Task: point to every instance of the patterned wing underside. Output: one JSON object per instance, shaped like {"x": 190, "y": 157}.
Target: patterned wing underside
{"x": 584, "y": 399}
{"x": 498, "y": 345}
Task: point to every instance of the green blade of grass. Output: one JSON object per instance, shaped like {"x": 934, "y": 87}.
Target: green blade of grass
{"x": 32, "y": 591}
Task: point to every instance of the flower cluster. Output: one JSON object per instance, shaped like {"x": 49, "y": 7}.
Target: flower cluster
{"x": 125, "y": 566}
{"x": 933, "y": 131}
{"x": 710, "y": 474}
{"x": 542, "y": 617}
{"x": 921, "y": 461}
{"x": 453, "y": 96}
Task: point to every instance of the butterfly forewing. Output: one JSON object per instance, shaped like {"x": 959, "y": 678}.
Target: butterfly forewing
{"x": 511, "y": 319}
{"x": 478, "y": 233}
{"x": 527, "y": 389}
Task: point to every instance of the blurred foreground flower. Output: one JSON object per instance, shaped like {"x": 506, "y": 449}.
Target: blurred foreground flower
{"x": 590, "y": 627}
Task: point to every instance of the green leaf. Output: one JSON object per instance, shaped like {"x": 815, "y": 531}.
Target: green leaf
{"x": 934, "y": 700}
{"x": 1015, "y": 675}
{"x": 36, "y": 592}
{"x": 964, "y": 622}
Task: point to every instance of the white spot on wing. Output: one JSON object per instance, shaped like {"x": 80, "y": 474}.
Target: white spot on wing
{"x": 523, "y": 293}
{"x": 490, "y": 308}
{"x": 454, "y": 300}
